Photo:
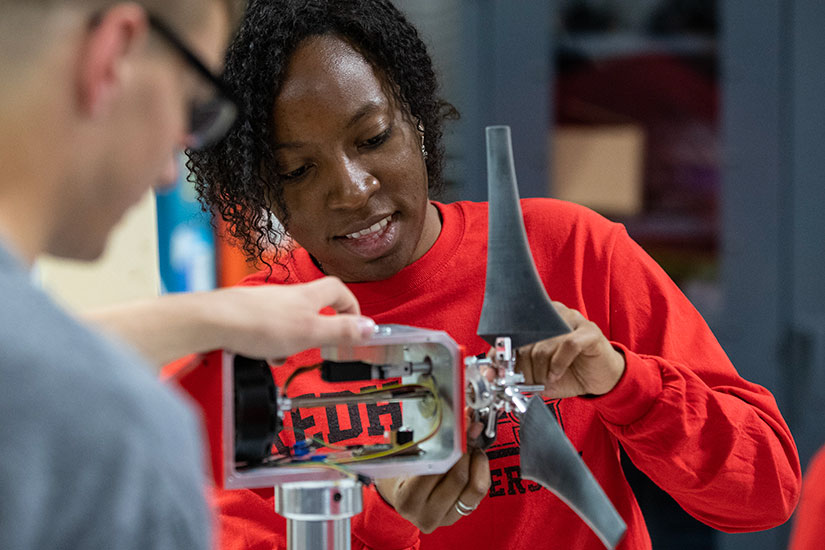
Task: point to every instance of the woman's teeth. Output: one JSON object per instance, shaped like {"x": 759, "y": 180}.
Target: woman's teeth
{"x": 374, "y": 228}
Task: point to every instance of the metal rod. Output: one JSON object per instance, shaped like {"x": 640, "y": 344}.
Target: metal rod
{"x": 318, "y": 513}
{"x": 388, "y": 396}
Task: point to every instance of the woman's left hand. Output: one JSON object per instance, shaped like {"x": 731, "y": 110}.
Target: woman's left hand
{"x": 581, "y": 362}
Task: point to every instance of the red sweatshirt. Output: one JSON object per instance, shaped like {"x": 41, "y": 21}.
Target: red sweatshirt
{"x": 712, "y": 440}
{"x": 809, "y": 523}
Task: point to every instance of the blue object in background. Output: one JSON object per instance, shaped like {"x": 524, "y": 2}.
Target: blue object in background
{"x": 186, "y": 242}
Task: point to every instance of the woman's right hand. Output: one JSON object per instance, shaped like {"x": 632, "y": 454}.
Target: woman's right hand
{"x": 429, "y": 502}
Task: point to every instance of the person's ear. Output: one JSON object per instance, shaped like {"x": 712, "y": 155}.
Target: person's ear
{"x": 119, "y": 32}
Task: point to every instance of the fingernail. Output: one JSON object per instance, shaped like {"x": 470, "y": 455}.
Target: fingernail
{"x": 366, "y": 327}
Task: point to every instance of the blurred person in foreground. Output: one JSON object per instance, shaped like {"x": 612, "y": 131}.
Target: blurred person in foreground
{"x": 97, "y": 98}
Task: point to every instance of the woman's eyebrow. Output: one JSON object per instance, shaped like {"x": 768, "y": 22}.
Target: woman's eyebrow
{"x": 364, "y": 111}
{"x": 288, "y": 145}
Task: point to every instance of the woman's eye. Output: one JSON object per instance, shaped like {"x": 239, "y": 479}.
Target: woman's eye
{"x": 377, "y": 140}
{"x": 295, "y": 174}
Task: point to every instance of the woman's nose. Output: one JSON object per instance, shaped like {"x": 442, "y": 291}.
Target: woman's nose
{"x": 352, "y": 187}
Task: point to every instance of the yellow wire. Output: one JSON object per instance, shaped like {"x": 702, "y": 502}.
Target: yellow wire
{"x": 405, "y": 446}
{"x": 393, "y": 450}
{"x": 396, "y": 449}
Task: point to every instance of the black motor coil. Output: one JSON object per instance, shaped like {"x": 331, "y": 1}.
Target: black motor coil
{"x": 256, "y": 410}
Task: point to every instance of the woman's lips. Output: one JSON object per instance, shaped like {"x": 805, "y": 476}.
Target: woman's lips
{"x": 376, "y": 242}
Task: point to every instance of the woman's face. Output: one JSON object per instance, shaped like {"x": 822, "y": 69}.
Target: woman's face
{"x": 351, "y": 166}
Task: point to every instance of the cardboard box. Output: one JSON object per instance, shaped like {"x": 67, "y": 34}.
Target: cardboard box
{"x": 600, "y": 167}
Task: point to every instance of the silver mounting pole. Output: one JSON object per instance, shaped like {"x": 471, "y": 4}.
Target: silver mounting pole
{"x": 318, "y": 512}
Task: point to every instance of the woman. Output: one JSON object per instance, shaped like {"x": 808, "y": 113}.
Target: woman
{"x": 342, "y": 141}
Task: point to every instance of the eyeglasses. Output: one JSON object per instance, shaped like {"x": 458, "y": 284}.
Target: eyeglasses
{"x": 211, "y": 118}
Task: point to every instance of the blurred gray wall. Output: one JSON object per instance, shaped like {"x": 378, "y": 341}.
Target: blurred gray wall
{"x": 773, "y": 196}
{"x": 495, "y": 62}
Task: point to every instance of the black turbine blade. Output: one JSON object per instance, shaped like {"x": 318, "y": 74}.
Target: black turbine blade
{"x": 548, "y": 458}
{"x": 515, "y": 302}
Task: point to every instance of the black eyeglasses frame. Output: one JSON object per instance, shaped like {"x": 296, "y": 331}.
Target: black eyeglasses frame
{"x": 171, "y": 36}
{"x": 229, "y": 104}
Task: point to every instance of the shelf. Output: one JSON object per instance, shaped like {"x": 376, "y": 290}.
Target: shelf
{"x": 627, "y": 44}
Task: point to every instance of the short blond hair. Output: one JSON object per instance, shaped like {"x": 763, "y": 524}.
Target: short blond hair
{"x": 177, "y": 13}
{"x": 22, "y": 22}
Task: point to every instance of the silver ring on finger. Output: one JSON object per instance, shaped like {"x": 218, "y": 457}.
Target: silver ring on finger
{"x": 463, "y": 509}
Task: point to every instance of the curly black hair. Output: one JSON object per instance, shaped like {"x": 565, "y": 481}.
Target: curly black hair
{"x": 237, "y": 178}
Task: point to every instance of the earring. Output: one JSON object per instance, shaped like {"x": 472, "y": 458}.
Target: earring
{"x": 420, "y": 127}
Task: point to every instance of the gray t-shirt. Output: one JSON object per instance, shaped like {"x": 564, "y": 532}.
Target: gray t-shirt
{"x": 95, "y": 452}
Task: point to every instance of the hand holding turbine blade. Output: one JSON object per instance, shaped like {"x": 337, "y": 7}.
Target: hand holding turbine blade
{"x": 517, "y": 308}
{"x": 515, "y": 301}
